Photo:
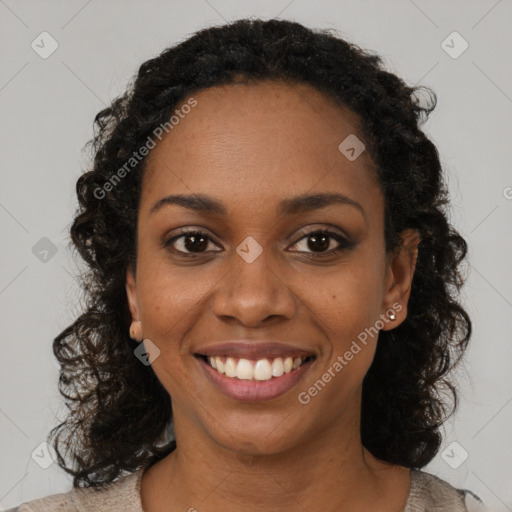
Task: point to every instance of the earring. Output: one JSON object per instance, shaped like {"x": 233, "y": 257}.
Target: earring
{"x": 136, "y": 330}
{"x": 392, "y": 315}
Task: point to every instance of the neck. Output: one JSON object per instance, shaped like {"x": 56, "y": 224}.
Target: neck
{"x": 332, "y": 471}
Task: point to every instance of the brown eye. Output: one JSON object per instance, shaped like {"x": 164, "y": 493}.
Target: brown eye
{"x": 189, "y": 242}
{"x": 321, "y": 243}
{"x": 318, "y": 243}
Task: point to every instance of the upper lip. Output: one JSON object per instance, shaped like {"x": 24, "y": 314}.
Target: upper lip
{"x": 251, "y": 349}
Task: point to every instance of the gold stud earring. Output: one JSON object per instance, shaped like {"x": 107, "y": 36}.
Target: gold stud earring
{"x": 136, "y": 330}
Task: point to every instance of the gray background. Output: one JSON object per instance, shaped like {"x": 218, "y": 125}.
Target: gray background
{"x": 48, "y": 106}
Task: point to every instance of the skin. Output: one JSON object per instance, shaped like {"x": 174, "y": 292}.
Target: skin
{"x": 250, "y": 147}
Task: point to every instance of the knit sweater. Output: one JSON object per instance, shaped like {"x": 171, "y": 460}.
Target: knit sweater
{"x": 427, "y": 493}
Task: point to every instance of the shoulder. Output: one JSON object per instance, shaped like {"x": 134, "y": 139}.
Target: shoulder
{"x": 121, "y": 495}
{"x": 428, "y": 492}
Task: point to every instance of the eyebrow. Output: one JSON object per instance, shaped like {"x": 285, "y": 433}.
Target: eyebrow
{"x": 202, "y": 203}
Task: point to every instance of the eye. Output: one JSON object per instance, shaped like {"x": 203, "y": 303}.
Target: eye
{"x": 320, "y": 243}
{"x": 189, "y": 242}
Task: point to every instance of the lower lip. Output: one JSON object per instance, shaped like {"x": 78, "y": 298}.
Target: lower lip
{"x": 254, "y": 390}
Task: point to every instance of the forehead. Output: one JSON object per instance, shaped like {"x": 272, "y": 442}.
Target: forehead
{"x": 259, "y": 142}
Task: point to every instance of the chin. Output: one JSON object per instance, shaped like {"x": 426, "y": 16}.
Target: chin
{"x": 252, "y": 437}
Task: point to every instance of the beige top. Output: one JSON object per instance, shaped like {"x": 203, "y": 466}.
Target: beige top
{"x": 427, "y": 493}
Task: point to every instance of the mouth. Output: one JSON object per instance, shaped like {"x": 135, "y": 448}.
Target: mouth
{"x": 254, "y": 380}
{"x": 264, "y": 369}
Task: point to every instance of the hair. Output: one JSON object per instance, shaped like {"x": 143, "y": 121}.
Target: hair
{"x": 118, "y": 412}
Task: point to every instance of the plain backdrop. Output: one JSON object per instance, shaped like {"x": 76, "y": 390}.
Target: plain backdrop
{"x": 47, "y": 109}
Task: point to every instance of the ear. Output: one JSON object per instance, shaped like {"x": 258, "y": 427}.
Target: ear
{"x": 399, "y": 275}
{"x": 133, "y": 305}
{"x": 131, "y": 294}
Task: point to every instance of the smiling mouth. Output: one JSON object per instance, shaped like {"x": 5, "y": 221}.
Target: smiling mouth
{"x": 254, "y": 370}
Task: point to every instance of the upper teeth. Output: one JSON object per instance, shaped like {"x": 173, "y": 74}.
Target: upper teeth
{"x": 261, "y": 369}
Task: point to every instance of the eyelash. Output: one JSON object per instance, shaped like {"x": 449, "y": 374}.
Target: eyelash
{"x": 344, "y": 243}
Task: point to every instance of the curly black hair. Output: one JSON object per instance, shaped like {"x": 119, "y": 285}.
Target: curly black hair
{"x": 119, "y": 413}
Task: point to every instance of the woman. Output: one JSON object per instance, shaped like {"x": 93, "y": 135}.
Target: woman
{"x": 273, "y": 286}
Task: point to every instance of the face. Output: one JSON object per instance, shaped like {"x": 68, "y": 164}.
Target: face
{"x": 255, "y": 277}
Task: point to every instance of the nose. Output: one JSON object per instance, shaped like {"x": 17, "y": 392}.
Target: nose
{"x": 253, "y": 292}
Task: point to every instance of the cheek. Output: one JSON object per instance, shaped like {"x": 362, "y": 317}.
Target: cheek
{"x": 172, "y": 303}
{"x": 347, "y": 309}
{"x": 347, "y": 313}
{"x": 348, "y": 301}
{"x": 170, "y": 297}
